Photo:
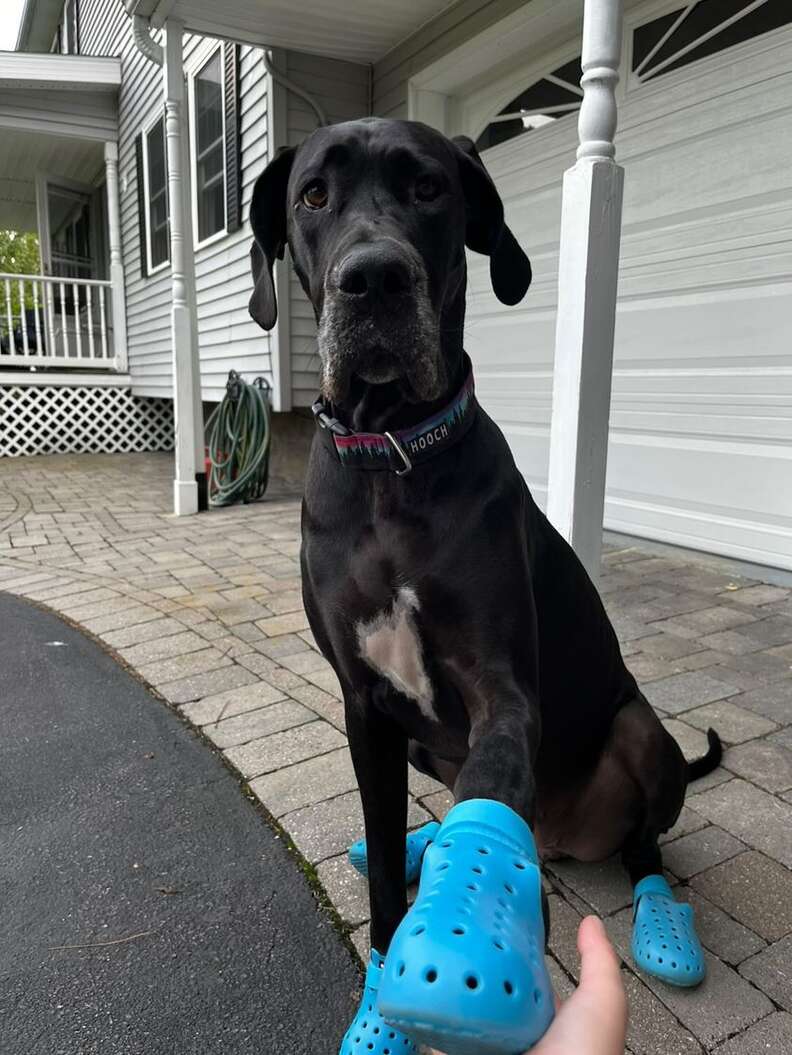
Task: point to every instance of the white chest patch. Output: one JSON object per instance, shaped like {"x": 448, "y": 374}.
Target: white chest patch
{"x": 391, "y": 645}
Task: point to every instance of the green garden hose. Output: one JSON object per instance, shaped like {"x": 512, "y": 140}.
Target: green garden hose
{"x": 238, "y": 436}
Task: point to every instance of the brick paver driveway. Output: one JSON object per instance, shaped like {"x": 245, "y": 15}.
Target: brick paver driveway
{"x": 207, "y": 610}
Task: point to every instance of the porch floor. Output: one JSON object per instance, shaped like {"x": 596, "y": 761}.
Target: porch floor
{"x": 207, "y": 610}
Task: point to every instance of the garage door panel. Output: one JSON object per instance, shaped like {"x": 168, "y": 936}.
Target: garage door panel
{"x": 701, "y": 417}
{"x": 750, "y": 518}
{"x": 684, "y": 175}
{"x": 738, "y": 328}
{"x": 755, "y": 243}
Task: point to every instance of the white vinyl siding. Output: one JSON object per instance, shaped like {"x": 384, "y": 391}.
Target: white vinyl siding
{"x": 228, "y": 337}
{"x": 342, "y": 88}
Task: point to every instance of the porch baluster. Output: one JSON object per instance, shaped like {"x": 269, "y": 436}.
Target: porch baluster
{"x": 77, "y": 326}
{"x": 40, "y": 350}
{"x": 22, "y": 319}
{"x": 10, "y": 317}
{"x": 102, "y": 321}
{"x": 89, "y": 306}
{"x": 49, "y": 298}
{"x": 64, "y": 331}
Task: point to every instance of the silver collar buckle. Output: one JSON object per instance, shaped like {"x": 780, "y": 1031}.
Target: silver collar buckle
{"x": 402, "y": 454}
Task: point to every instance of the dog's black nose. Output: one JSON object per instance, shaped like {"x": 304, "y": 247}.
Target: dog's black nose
{"x": 374, "y": 272}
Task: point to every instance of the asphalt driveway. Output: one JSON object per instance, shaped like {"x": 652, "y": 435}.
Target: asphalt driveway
{"x": 145, "y": 905}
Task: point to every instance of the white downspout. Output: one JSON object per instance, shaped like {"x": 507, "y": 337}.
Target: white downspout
{"x": 141, "y": 34}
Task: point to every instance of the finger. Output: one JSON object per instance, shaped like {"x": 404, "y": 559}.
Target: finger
{"x": 599, "y": 967}
{"x": 594, "y": 1018}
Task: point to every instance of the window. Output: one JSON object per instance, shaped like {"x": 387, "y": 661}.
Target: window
{"x": 552, "y": 97}
{"x": 155, "y": 181}
{"x": 701, "y": 28}
{"x": 208, "y": 149}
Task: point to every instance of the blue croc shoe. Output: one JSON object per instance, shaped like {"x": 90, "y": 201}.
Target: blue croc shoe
{"x": 369, "y": 1033}
{"x": 465, "y": 972}
{"x": 417, "y": 842}
{"x": 664, "y": 939}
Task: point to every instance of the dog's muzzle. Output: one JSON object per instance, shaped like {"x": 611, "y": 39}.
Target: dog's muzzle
{"x": 378, "y": 323}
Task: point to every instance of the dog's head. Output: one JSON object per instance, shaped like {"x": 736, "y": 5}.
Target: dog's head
{"x": 377, "y": 215}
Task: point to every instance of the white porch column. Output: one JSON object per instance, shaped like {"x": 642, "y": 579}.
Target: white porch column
{"x": 117, "y": 294}
{"x": 587, "y": 276}
{"x": 184, "y": 330}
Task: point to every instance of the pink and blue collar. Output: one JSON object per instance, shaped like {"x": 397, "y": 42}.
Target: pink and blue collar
{"x": 401, "y": 450}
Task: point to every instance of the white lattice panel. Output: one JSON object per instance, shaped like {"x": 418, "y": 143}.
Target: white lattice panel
{"x": 72, "y": 420}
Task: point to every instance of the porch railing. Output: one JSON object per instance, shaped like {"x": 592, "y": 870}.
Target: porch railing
{"x": 55, "y": 322}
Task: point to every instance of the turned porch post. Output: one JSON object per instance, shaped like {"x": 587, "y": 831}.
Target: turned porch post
{"x": 117, "y": 293}
{"x": 587, "y": 276}
{"x": 189, "y": 482}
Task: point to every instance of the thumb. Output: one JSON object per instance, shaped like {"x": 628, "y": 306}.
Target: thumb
{"x": 594, "y": 1018}
{"x": 599, "y": 967}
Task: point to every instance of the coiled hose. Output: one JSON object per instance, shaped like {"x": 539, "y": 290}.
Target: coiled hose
{"x": 238, "y": 440}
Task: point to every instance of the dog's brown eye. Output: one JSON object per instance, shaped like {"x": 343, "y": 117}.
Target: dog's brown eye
{"x": 315, "y": 195}
{"x": 426, "y": 188}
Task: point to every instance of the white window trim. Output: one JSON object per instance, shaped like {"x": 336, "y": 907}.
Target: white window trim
{"x": 478, "y": 109}
{"x": 150, "y": 268}
{"x": 651, "y": 10}
{"x": 202, "y": 57}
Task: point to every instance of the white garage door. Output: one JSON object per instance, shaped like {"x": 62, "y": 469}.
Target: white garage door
{"x": 701, "y": 422}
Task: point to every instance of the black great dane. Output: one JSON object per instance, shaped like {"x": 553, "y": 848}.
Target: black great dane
{"x": 466, "y": 635}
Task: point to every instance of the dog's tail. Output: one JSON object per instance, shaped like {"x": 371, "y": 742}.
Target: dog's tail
{"x": 699, "y": 767}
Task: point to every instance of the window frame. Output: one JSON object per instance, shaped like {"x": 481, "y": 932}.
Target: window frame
{"x": 153, "y": 269}
{"x": 71, "y": 7}
{"x": 520, "y": 79}
{"x": 649, "y": 12}
{"x": 200, "y": 61}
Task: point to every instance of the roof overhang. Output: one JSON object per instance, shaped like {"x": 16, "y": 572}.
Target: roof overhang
{"x": 56, "y": 114}
{"x": 37, "y": 26}
{"x": 335, "y": 28}
{"x": 83, "y": 73}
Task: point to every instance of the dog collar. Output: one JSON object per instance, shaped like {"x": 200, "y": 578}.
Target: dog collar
{"x": 401, "y": 450}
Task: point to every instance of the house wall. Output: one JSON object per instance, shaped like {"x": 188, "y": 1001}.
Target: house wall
{"x": 227, "y": 336}
{"x": 342, "y": 89}
{"x": 449, "y": 30}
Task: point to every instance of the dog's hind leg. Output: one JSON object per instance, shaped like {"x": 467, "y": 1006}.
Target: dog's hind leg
{"x": 664, "y": 940}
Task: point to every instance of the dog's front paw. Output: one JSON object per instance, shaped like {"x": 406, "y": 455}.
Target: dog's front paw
{"x": 369, "y": 1033}
{"x": 465, "y": 972}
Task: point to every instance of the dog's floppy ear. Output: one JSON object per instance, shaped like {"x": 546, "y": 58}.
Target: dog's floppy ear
{"x": 486, "y": 231}
{"x": 268, "y": 220}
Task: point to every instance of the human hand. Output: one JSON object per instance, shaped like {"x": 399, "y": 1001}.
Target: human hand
{"x": 593, "y": 1021}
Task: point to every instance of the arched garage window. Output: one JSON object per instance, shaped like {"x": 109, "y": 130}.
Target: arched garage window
{"x": 554, "y": 96}
{"x": 701, "y": 28}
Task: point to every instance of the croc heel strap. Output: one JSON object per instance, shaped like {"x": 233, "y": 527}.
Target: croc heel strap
{"x": 465, "y": 972}
{"x": 369, "y": 1033}
{"x": 664, "y": 940}
{"x": 417, "y": 843}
